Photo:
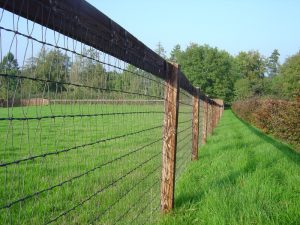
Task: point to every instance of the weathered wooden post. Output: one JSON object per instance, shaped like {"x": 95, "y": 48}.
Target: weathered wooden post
{"x": 170, "y": 137}
{"x": 195, "y": 125}
{"x": 219, "y": 114}
{"x": 205, "y": 121}
{"x": 221, "y": 109}
{"x": 208, "y": 117}
{"x": 211, "y": 118}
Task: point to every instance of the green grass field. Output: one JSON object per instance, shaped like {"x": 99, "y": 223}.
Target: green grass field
{"x": 242, "y": 177}
{"x": 105, "y": 169}
{"x": 100, "y": 169}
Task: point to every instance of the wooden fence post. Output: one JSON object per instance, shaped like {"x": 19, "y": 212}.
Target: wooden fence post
{"x": 170, "y": 137}
{"x": 212, "y": 118}
{"x": 209, "y": 118}
{"x": 195, "y": 125}
{"x": 204, "y": 122}
{"x": 219, "y": 116}
{"x": 215, "y": 115}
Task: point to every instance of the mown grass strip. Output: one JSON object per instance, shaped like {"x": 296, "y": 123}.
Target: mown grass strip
{"x": 242, "y": 177}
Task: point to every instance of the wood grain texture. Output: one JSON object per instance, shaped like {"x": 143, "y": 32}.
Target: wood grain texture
{"x": 204, "y": 122}
{"x": 169, "y": 139}
{"x": 195, "y": 125}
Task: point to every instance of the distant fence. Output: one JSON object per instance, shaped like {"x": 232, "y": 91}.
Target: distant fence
{"x": 23, "y": 102}
{"x": 105, "y": 126}
{"x": 42, "y": 101}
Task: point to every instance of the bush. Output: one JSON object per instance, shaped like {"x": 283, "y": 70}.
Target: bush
{"x": 277, "y": 117}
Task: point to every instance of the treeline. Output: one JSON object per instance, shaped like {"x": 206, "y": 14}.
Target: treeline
{"x": 52, "y": 74}
{"x": 260, "y": 90}
{"x": 246, "y": 75}
{"x": 214, "y": 71}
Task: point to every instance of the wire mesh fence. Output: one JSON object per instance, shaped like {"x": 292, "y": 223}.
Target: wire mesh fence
{"x": 184, "y": 132}
{"x": 81, "y": 131}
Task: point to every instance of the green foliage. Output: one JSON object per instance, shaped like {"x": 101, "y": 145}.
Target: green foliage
{"x": 251, "y": 67}
{"x": 211, "y": 69}
{"x": 273, "y": 64}
{"x": 242, "y": 88}
{"x": 87, "y": 72}
{"x": 175, "y": 53}
{"x": 140, "y": 82}
{"x": 283, "y": 82}
{"x": 287, "y": 83}
{"x": 49, "y": 65}
{"x": 8, "y": 66}
{"x": 278, "y": 117}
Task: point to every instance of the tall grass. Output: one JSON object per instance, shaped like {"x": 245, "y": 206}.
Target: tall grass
{"x": 103, "y": 169}
{"x": 242, "y": 177}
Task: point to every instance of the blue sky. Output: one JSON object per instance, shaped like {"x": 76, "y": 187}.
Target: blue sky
{"x": 232, "y": 25}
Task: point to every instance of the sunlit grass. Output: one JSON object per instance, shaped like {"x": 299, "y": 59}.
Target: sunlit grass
{"x": 102, "y": 169}
{"x": 242, "y": 177}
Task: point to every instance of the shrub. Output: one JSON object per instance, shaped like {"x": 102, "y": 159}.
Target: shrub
{"x": 277, "y": 117}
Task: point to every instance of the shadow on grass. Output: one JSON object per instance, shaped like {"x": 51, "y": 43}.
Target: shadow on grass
{"x": 249, "y": 168}
{"x": 251, "y": 164}
{"x": 186, "y": 199}
{"x": 284, "y": 148}
{"x": 228, "y": 180}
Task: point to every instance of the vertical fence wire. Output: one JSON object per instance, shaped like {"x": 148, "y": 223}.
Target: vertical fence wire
{"x": 80, "y": 131}
{"x": 184, "y": 132}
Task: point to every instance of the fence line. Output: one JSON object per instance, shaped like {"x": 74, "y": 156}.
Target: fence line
{"x": 95, "y": 127}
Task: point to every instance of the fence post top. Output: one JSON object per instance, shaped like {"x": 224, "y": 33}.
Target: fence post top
{"x": 174, "y": 64}
{"x": 197, "y": 92}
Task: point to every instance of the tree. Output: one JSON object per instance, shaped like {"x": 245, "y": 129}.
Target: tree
{"x": 88, "y": 72}
{"x": 51, "y": 65}
{"x": 287, "y": 83}
{"x": 175, "y": 53}
{"x": 160, "y": 50}
{"x": 242, "y": 89}
{"x": 273, "y": 64}
{"x": 210, "y": 69}
{"x": 251, "y": 67}
{"x": 8, "y": 66}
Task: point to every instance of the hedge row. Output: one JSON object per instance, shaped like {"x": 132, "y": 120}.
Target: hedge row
{"x": 277, "y": 117}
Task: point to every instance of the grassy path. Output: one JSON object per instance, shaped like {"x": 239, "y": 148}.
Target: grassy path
{"x": 242, "y": 177}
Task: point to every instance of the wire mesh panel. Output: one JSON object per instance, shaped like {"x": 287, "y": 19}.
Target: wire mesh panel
{"x": 209, "y": 119}
{"x": 184, "y": 131}
{"x": 80, "y": 131}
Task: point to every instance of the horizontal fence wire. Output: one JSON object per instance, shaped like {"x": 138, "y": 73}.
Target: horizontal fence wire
{"x": 82, "y": 105}
{"x": 184, "y": 132}
{"x": 80, "y": 131}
